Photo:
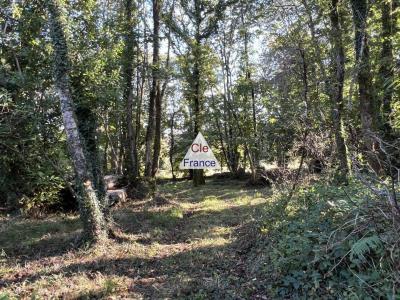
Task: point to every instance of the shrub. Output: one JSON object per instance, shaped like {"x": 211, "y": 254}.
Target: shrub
{"x": 330, "y": 242}
{"x": 46, "y": 195}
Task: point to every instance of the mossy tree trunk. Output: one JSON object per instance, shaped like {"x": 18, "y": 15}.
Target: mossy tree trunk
{"x": 95, "y": 227}
{"x": 388, "y": 20}
{"x": 338, "y": 72}
{"x": 154, "y": 94}
{"x": 367, "y": 105}
{"x": 156, "y": 86}
{"x": 131, "y": 164}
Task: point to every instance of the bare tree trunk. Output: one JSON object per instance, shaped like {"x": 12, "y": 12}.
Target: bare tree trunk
{"x": 337, "y": 92}
{"x": 221, "y": 139}
{"x": 253, "y": 148}
{"x": 95, "y": 227}
{"x": 172, "y": 142}
{"x": 232, "y": 155}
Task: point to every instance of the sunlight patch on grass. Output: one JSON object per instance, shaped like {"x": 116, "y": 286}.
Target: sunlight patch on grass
{"x": 211, "y": 242}
{"x": 167, "y": 218}
{"x": 164, "y": 252}
{"x": 244, "y": 200}
{"x": 212, "y": 203}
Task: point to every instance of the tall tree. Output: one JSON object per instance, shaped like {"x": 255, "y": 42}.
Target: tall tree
{"x": 388, "y": 22}
{"x": 253, "y": 147}
{"x": 204, "y": 17}
{"x": 227, "y": 41}
{"x": 95, "y": 228}
{"x": 367, "y": 105}
{"x": 156, "y": 90}
{"x": 128, "y": 72}
{"x": 338, "y": 71}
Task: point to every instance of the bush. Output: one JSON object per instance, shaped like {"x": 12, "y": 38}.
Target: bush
{"x": 34, "y": 154}
{"x": 45, "y": 197}
{"x": 330, "y": 242}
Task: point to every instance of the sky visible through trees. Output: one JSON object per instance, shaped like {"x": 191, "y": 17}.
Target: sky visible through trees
{"x": 299, "y": 100}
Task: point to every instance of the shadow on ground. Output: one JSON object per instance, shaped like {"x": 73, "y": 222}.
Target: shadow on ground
{"x": 183, "y": 249}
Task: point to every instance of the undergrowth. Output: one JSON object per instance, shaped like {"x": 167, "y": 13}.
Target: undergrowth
{"x": 330, "y": 242}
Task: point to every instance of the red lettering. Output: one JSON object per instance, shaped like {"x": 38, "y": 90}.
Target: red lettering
{"x": 197, "y": 147}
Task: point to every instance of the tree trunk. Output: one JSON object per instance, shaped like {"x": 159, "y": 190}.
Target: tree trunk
{"x": 360, "y": 13}
{"x": 232, "y": 155}
{"x": 149, "y": 134}
{"x": 153, "y": 96}
{"x": 128, "y": 71}
{"x": 231, "y": 148}
{"x": 218, "y": 125}
{"x": 121, "y": 147}
{"x": 253, "y": 148}
{"x": 364, "y": 78}
{"x": 172, "y": 143}
{"x": 386, "y": 67}
{"x": 141, "y": 75}
{"x": 198, "y": 175}
{"x": 94, "y": 223}
{"x": 338, "y": 72}
{"x": 158, "y": 96}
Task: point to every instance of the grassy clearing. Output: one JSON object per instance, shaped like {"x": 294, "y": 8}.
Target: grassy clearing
{"x": 180, "y": 249}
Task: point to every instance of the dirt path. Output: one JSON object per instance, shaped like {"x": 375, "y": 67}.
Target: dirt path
{"x": 180, "y": 248}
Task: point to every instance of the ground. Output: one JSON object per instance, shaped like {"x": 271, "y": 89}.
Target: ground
{"x": 182, "y": 246}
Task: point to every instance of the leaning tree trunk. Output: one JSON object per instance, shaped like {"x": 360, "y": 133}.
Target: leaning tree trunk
{"x": 337, "y": 90}
{"x": 94, "y": 223}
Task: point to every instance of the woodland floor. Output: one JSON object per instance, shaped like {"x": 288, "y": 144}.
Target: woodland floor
{"x": 184, "y": 248}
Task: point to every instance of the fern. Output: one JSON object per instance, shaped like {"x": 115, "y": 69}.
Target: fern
{"x": 364, "y": 245}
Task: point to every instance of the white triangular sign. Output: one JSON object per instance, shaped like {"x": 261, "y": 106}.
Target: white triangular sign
{"x": 199, "y": 156}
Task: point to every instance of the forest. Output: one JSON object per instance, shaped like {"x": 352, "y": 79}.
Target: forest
{"x": 299, "y": 105}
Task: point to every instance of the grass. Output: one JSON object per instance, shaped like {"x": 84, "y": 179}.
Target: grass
{"x": 183, "y": 249}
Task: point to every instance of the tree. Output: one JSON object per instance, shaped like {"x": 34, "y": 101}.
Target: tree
{"x": 95, "y": 228}
{"x": 388, "y": 20}
{"x": 156, "y": 90}
{"x": 203, "y": 17}
{"x": 128, "y": 72}
{"x": 338, "y": 71}
{"x": 367, "y": 105}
